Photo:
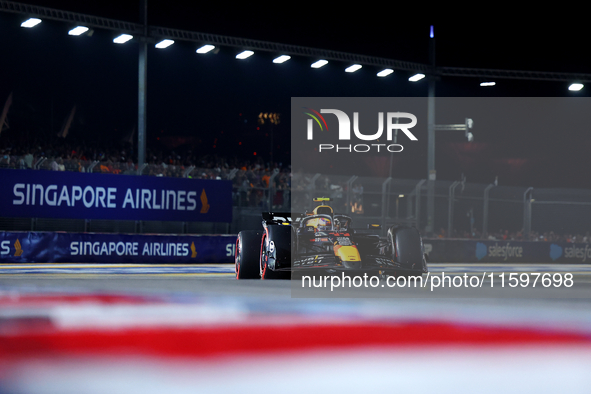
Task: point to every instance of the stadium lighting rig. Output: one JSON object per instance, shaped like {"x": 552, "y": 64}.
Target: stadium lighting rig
{"x": 164, "y": 44}
{"x": 134, "y": 29}
{"x": 353, "y": 68}
{"x": 205, "y": 48}
{"x": 385, "y": 72}
{"x": 319, "y": 63}
{"x": 575, "y": 87}
{"x": 281, "y": 59}
{"x": 122, "y": 38}
{"x": 244, "y": 55}
{"x": 31, "y": 22}
{"x": 78, "y": 30}
{"x": 416, "y": 77}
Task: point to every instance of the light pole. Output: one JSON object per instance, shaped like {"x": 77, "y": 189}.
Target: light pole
{"x": 431, "y": 128}
{"x": 431, "y": 174}
{"x": 142, "y": 85}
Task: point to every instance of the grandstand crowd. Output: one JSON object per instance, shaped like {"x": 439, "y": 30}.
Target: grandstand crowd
{"x": 250, "y": 178}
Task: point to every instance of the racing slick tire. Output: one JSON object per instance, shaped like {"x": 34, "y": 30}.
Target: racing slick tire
{"x": 407, "y": 249}
{"x": 247, "y": 255}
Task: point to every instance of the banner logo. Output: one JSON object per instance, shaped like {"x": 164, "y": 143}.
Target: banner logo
{"x": 555, "y": 251}
{"x": 481, "y": 250}
{"x": 18, "y": 249}
{"x": 106, "y": 196}
{"x": 310, "y": 124}
{"x": 5, "y": 248}
{"x": 193, "y": 250}
{"x": 204, "y": 204}
{"x": 392, "y": 125}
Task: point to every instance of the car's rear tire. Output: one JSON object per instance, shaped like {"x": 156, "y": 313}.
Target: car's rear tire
{"x": 247, "y": 255}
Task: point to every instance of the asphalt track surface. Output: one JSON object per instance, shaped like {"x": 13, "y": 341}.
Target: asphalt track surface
{"x": 476, "y": 342}
{"x": 219, "y": 279}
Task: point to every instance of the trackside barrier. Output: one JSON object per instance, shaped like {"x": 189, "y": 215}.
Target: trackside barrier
{"x": 55, "y": 247}
{"x": 477, "y": 251}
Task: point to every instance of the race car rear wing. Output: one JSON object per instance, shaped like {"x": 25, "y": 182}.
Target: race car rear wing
{"x": 278, "y": 217}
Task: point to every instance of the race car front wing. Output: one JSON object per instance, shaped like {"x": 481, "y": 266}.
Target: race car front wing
{"x": 330, "y": 261}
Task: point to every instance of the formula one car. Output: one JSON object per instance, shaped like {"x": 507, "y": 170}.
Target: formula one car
{"x": 324, "y": 242}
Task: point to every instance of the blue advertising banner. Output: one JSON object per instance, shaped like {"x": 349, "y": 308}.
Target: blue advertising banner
{"x": 476, "y": 251}
{"x": 74, "y": 195}
{"x": 52, "y": 247}
{"x": 56, "y": 247}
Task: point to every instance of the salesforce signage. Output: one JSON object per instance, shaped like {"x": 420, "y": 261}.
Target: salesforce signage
{"x": 463, "y": 251}
{"x": 53, "y": 194}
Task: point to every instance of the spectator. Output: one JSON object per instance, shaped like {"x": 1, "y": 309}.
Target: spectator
{"x": 29, "y": 159}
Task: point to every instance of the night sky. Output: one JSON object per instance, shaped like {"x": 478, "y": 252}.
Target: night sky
{"x": 213, "y": 100}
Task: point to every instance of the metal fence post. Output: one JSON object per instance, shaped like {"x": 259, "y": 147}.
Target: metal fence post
{"x": 485, "y": 210}
{"x": 527, "y": 212}
{"x": 188, "y": 171}
{"x": 418, "y": 202}
{"x": 384, "y": 199}
{"x": 141, "y": 168}
{"x": 409, "y": 205}
{"x": 92, "y": 165}
{"x": 232, "y": 173}
{"x": 450, "y": 208}
{"x": 39, "y": 162}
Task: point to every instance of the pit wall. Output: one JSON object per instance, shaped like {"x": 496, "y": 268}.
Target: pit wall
{"x": 51, "y": 247}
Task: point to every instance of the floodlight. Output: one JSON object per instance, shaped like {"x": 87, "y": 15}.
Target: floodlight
{"x": 353, "y": 68}
{"x": 123, "y": 38}
{"x": 319, "y": 63}
{"x": 31, "y": 22}
{"x": 164, "y": 44}
{"x": 244, "y": 54}
{"x": 206, "y": 48}
{"x": 385, "y": 72}
{"x": 281, "y": 59}
{"x": 78, "y": 30}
